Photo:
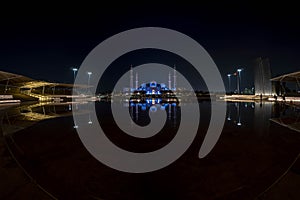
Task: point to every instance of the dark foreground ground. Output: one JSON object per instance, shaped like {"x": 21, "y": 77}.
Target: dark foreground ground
{"x": 243, "y": 165}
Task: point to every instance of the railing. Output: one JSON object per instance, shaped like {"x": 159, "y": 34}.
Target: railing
{"x": 8, "y": 99}
{"x": 38, "y": 96}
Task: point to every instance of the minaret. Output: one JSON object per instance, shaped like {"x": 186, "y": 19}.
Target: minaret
{"x": 170, "y": 81}
{"x": 136, "y": 80}
{"x": 131, "y": 79}
{"x": 174, "y": 76}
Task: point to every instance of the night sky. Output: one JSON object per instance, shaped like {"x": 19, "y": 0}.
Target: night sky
{"x": 45, "y": 43}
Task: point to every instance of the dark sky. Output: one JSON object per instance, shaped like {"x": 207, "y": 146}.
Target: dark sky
{"x": 45, "y": 42}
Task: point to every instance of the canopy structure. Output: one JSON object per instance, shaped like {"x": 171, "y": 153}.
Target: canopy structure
{"x": 28, "y": 89}
{"x": 287, "y": 84}
{"x": 291, "y": 77}
{"x": 13, "y": 79}
{"x": 21, "y": 81}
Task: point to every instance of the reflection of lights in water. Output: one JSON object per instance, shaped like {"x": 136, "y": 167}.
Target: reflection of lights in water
{"x": 137, "y": 111}
{"x": 237, "y": 118}
{"x": 174, "y": 112}
{"x": 144, "y": 103}
{"x": 239, "y": 114}
{"x": 70, "y": 107}
{"x": 229, "y": 113}
{"x": 169, "y": 105}
{"x": 153, "y": 109}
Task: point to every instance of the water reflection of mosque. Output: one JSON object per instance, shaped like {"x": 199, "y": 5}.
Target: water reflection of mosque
{"x": 150, "y": 97}
{"x": 154, "y": 92}
{"x": 138, "y": 110}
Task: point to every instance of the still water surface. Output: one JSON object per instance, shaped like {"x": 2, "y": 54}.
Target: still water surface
{"x": 251, "y": 154}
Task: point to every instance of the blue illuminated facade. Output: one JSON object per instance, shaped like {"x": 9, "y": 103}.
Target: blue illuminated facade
{"x": 152, "y": 88}
{"x": 152, "y": 93}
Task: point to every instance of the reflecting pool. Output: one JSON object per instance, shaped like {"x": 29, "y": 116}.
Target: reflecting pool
{"x": 257, "y": 150}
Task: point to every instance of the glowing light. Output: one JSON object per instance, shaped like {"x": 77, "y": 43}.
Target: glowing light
{"x": 153, "y": 84}
{"x": 153, "y": 109}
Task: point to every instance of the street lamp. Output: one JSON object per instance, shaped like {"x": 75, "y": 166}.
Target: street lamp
{"x": 239, "y": 80}
{"x": 89, "y": 74}
{"x": 74, "y": 72}
{"x": 229, "y": 85}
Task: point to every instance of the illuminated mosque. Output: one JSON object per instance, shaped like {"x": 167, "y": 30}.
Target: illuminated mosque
{"x": 153, "y": 92}
{"x": 153, "y": 87}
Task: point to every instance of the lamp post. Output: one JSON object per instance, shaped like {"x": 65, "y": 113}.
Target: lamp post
{"x": 229, "y": 82}
{"x": 89, "y": 77}
{"x": 89, "y": 74}
{"x": 74, "y": 72}
{"x": 239, "y": 80}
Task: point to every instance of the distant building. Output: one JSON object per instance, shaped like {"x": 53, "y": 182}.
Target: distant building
{"x": 262, "y": 76}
